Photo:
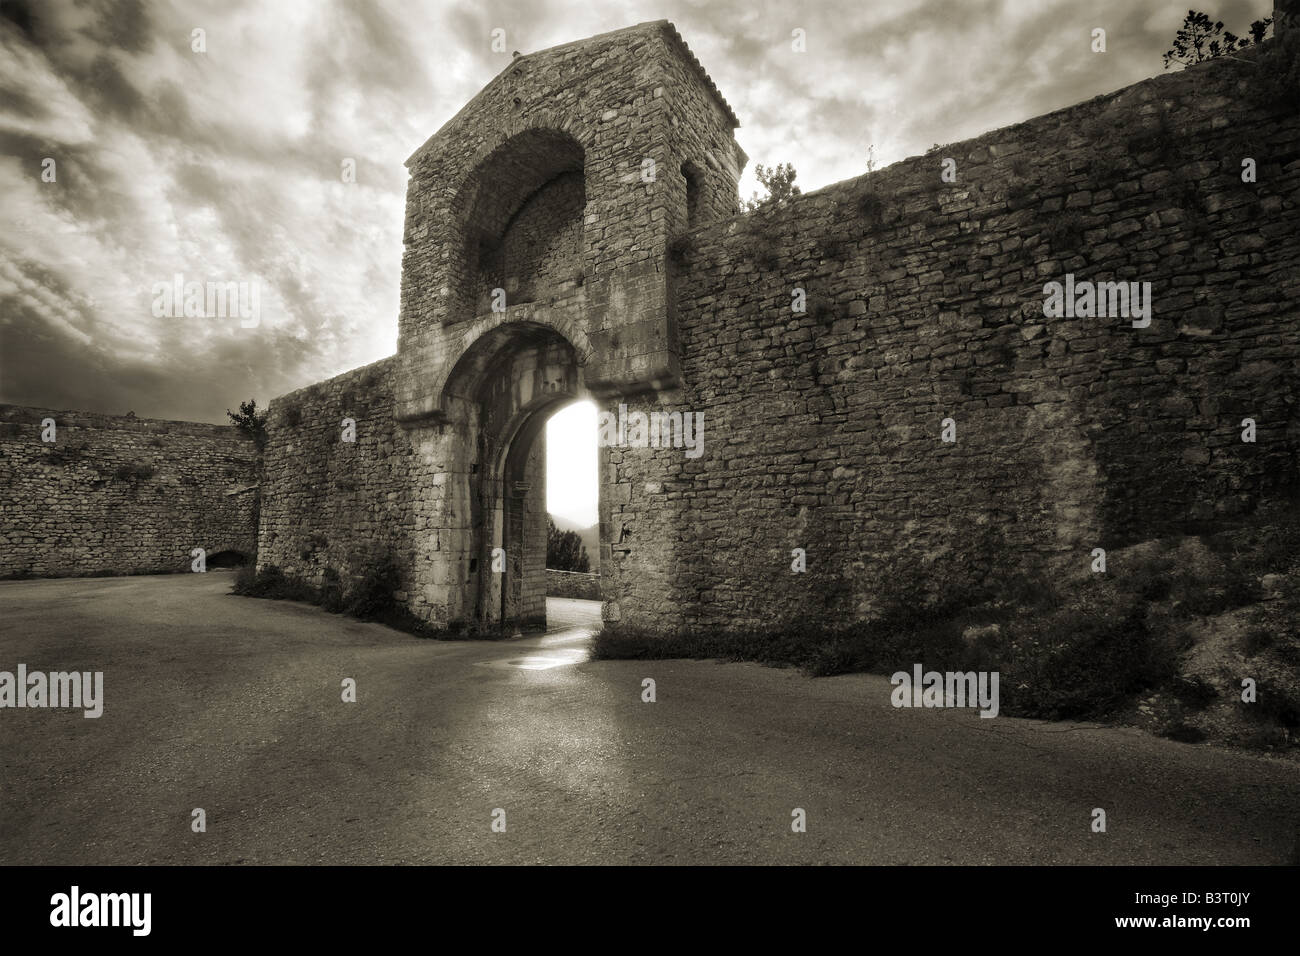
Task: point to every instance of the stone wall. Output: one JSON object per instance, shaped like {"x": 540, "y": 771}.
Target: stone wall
{"x": 119, "y": 494}
{"x": 532, "y": 560}
{"x": 572, "y": 584}
{"x": 541, "y": 248}
{"x": 334, "y": 503}
{"x": 925, "y": 302}
{"x": 829, "y": 344}
{"x": 345, "y": 507}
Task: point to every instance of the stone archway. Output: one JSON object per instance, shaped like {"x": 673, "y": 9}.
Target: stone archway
{"x": 501, "y": 393}
{"x": 521, "y": 532}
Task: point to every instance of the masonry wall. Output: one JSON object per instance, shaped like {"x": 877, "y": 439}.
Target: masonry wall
{"x": 120, "y": 495}
{"x": 923, "y": 306}
{"x": 541, "y": 249}
{"x": 336, "y": 504}
{"x": 533, "y": 589}
{"x": 924, "y": 303}
{"x": 573, "y": 584}
{"x": 351, "y": 509}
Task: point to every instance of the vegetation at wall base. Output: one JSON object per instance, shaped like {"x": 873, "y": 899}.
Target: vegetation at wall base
{"x": 371, "y": 599}
{"x": 1087, "y": 647}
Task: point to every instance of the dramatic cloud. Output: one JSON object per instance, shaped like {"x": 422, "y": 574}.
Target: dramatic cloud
{"x": 225, "y": 165}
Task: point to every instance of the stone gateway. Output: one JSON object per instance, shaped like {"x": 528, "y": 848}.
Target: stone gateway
{"x": 574, "y": 232}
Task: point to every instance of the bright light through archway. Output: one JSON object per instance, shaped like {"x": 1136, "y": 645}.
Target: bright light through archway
{"x": 571, "y": 475}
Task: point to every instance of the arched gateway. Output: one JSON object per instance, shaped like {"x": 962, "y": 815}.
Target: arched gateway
{"x": 882, "y": 407}
{"x": 537, "y": 225}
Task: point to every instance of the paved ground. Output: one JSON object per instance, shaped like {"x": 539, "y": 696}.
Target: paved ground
{"x": 234, "y": 705}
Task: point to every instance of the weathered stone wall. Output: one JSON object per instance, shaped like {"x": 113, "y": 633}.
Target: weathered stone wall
{"x": 926, "y": 302}
{"x": 331, "y": 503}
{"x": 533, "y": 557}
{"x": 573, "y": 584}
{"x": 541, "y": 248}
{"x": 120, "y": 495}
{"x": 349, "y": 507}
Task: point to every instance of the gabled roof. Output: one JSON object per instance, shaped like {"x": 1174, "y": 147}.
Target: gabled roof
{"x": 664, "y": 27}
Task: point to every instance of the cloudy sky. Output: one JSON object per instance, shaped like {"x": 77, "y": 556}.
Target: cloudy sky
{"x": 226, "y": 165}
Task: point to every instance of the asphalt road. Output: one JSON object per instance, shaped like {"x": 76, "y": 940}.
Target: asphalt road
{"x": 235, "y": 706}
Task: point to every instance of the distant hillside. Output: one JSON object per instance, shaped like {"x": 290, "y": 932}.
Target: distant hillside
{"x": 590, "y": 536}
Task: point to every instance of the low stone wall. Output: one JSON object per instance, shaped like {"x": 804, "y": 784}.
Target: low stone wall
{"x": 572, "y": 584}
{"x": 117, "y": 494}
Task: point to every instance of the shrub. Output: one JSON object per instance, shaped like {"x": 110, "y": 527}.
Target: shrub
{"x": 245, "y": 579}
{"x": 1256, "y": 640}
{"x": 373, "y": 598}
{"x": 313, "y": 543}
{"x": 1194, "y": 692}
{"x": 1186, "y": 195}
{"x": 374, "y": 594}
{"x": 1274, "y": 626}
{"x": 272, "y": 583}
{"x": 1184, "y": 733}
{"x": 1261, "y": 547}
{"x": 1076, "y": 652}
{"x": 1193, "y": 576}
{"x": 1277, "y": 703}
{"x": 331, "y": 592}
{"x": 250, "y": 421}
{"x": 823, "y": 312}
{"x": 778, "y": 180}
{"x": 763, "y": 248}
